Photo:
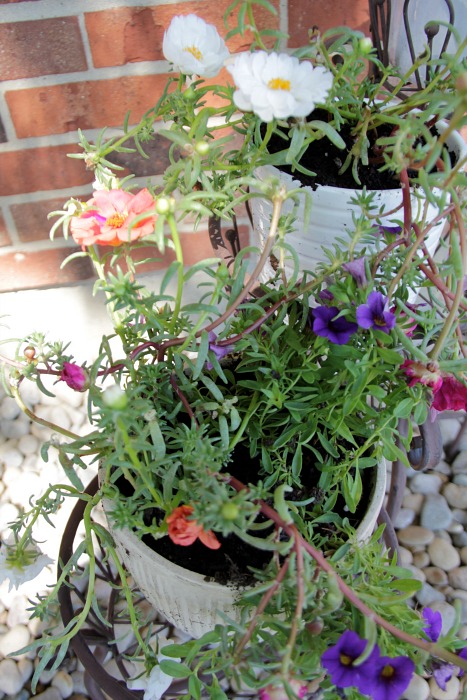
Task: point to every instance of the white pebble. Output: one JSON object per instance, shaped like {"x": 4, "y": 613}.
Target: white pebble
{"x": 443, "y": 554}
{"x": 63, "y": 682}
{"x": 404, "y": 518}
{"x": 421, "y": 559}
{"x": 9, "y": 409}
{"x": 405, "y": 556}
{"x": 458, "y": 577}
{"x": 28, "y": 445}
{"x": 18, "y": 614}
{"x": 26, "y": 668}
{"x": 455, "y": 495}
{"x": 418, "y": 689}
{"x": 426, "y": 483}
{"x": 14, "y": 429}
{"x": 451, "y": 692}
{"x": 436, "y": 576}
{"x": 11, "y": 680}
{"x": 10, "y": 456}
{"x": 8, "y": 514}
{"x": 436, "y": 513}
{"x": 428, "y": 595}
{"x": 14, "y": 640}
{"x": 463, "y": 554}
{"x": 20, "y": 490}
{"x": 49, "y": 694}
{"x": 415, "y": 536}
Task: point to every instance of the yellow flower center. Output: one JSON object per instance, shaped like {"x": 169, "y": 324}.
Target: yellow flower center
{"x": 116, "y": 220}
{"x": 387, "y": 672}
{"x": 345, "y": 660}
{"x": 279, "y": 84}
{"x": 194, "y": 52}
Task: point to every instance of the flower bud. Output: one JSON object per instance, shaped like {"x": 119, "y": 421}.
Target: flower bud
{"x": 230, "y": 511}
{"x": 366, "y": 45}
{"x": 114, "y": 397}
{"x": 74, "y": 376}
{"x": 202, "y": 148}
{"x": 163, "y": 205}
{"x": 29, "y": 352}
{"x": 277, "y": 691}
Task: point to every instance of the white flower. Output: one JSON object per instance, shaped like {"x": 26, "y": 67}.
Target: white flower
{"x": 18, "y": 575}
{"x": 194, "y": 46}
{"x": 277, "y": 85}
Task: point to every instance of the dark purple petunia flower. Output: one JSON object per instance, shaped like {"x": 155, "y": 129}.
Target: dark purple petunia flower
{"x": 389, "y": 229}
{"x": 219, "y": 351}
{"x": 327, "y": 325}
{"x": 434, "y": 623}
{"x": 357, "y": 270}
{"x": 339, "y": 663}
{"x": 442, "y": 673}
{"x": 375, "y": 313}
{"x": 392, "y": 677}
{"x": 463, "y": 655}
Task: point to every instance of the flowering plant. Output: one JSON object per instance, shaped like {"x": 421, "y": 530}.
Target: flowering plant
{"x": 257, "y": 412}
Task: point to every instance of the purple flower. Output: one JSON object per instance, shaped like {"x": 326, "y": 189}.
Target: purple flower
{"x": 219, "y": 351}
{"x": 392, "y": 677}
{"x": 434, "y": 623}
{"x": 339, "y": 663}
{"x": 74, "y": 376}
{"x": 442, "y": 673}
{"x": 389, "y": 229}
{"x": 327, "y": 325}
{"x": 463, "y": 655}
{"x": 357, "y": 270}
{"x": 375, "y": 313}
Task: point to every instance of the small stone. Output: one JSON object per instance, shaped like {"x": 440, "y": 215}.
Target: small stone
{"x": 418, "y": 689}
{"x": 413, "y": 501}
{"x": 451, "y": 692}
{"x": 415, "y": 536}
{"x": 435, "y": 513}
{"x": 11, "y": 680}
{"x": 18, "y": 613}
{"x": 460, "y": 479}
{"x": 458, "y": 577}
{"x": 28, "y": 445}
{"x": 10, "y": 456}
{"x": 8, "y": 514}
{"x": 460, "y": 463}
{"x": 455, "y": 495}
{"x": 9, "y": 409}
{"x": 16, "y": 638}
{"x": 426, "y": 483}
{"x": 63, "y": 682}
{"x": 455, "y": 528}
{"x": 405, "y": 557}
{"x": 435, "y": 575}
{"x": 428, "y": 595}
{"x": 417, "y": 574}
{"x": 460, "y": 515}
{"x": 460, "y": 539}
{"x": 78, "y": 682}
{"x": 421, "y": 559}
{"x": 14, "y": 429}
{"x": 405, "y": 517}
{"x": 26, "y": 668}
{"x": 443, "y": 554}
{"x": 20, "y": 490}
{"x": 49, "y": 694}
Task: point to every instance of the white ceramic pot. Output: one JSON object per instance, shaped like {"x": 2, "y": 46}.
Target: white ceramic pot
{"x": 184, "y": 597}
{"x": 332, "y": 210}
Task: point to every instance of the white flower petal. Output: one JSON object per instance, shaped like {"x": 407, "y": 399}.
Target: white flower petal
{"x": 194, "y": 47}
{"x": 278, "y": 85}
{"x": 18, "y": 576}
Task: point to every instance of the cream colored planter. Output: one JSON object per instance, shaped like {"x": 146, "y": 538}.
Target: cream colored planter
{"x": 332, "y": 210}
{"x": 184, "y": 597}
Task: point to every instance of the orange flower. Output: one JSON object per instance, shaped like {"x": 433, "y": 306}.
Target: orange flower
{"x": 185, "y": 532}
{"x": 109, "y": 218}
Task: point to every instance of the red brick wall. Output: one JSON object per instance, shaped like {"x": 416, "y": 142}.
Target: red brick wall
{"x": 66, "y": 67}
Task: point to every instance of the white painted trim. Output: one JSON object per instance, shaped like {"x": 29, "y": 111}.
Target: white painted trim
{"x": 48, "y": 9}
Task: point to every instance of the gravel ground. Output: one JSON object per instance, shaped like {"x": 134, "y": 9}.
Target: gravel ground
{"x": 430, "y": 529}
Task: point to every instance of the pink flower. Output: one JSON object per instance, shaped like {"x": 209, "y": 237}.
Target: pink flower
{"x": 427, "y": 374}
{"x": 109, "y": 217}
{"x": 74, "y": 376}
{"x": 451, "y": 395}
{"x": 185, "y": 532}
{"x": 277, "y": 691}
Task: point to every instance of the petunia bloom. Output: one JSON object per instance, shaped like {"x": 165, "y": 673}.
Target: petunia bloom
{"x": 392, "y": 677}
{"x": 183, "y": 531}
{"x": 219, "y": 351}
{"x": 442, "y": 673}
{"x": 339, "y": 663}
{"x": 109, "y": 217}
{"x": 277, "y": 691}
{"x": 74, "y": 376}
{"x": 434, "y": 623}
{"x": 375, "y": 313}
{"x": 278, "y": 86}
{"x": 20, "y": 572}
{"x": 357, "y": 269}
{"x": 328, "y": 324}
{"x": 194, "y": 46}
{"x": 451, "y": 395}
{"x": 419, "y": 372}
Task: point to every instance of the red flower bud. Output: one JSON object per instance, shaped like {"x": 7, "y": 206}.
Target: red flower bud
{"x": 74, "y": 376}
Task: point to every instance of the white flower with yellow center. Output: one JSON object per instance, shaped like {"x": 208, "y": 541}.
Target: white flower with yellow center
{"x": 276, "y": 85}
{"x": 194, "y": 47}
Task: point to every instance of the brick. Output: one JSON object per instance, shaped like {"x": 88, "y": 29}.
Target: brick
{"x": 41, "y": 269}
{"x": 59, "y": 109}
{"x": 4, "y": 237}
{"x": 304, "y": 14}
{"x": 158, "y": 152}
{"x": 31, "y": 218}
{"x": 41, "y": 47}
{"x": 130, "y": 34}
{"x": 47, "y": 168}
